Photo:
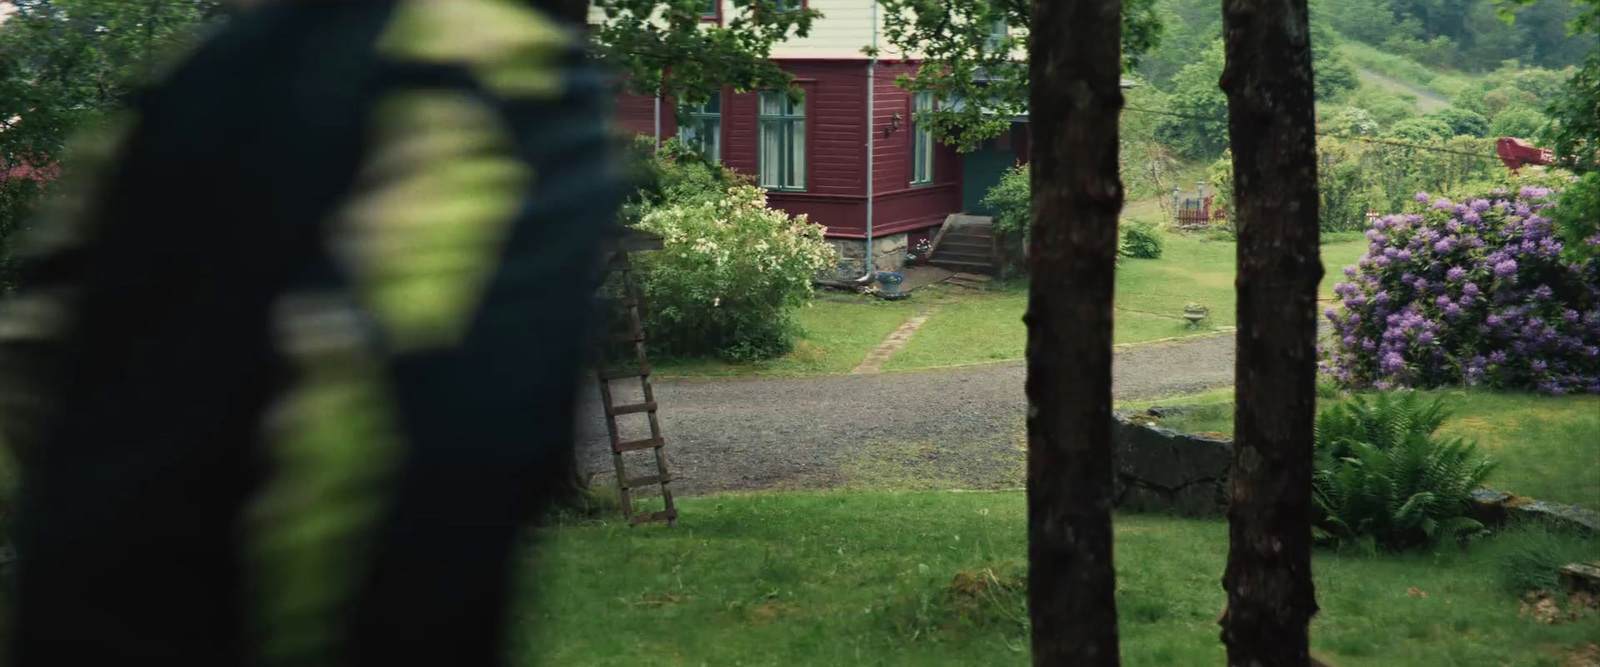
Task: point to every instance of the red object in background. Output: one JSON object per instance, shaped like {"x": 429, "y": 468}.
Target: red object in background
{"x": 1516, "y": 154}
{"x": 49, "y": 172}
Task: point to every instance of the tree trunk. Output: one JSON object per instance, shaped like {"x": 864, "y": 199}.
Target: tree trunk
{"x": 1271, "y": 123}
{"x": 1077, "y": 193}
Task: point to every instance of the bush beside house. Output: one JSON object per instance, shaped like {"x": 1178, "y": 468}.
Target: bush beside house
{"x": 1012, "y": 203}
{"x": 732, "y": 270}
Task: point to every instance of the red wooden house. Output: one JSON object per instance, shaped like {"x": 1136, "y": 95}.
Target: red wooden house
{"x": 849, "y": 154}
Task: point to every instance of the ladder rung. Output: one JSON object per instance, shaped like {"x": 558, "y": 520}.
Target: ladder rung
{"x": 636, "y": 445}
{"x": 625, "y": 373}
{"x": 635, "y": 408}
{"x": 647, "y": 480}
{"x": 669, "y": 515}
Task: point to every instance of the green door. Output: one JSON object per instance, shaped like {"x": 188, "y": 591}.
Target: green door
{"x": 981, "y": 170}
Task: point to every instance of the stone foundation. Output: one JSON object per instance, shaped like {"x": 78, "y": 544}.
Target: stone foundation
{"x": 889, "y": 254}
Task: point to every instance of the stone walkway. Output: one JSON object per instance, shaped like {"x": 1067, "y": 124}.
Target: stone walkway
{"x": 880, "y": 354}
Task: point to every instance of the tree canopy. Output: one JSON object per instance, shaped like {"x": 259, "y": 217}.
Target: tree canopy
{"x": 972, "y": 57}
{"x": 668, "y": 46}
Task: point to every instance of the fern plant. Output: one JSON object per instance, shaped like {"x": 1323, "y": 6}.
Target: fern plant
{"x": 1382, "y": 478}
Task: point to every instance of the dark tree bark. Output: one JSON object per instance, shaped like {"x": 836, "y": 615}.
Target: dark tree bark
{"x": 1271, "y": 124}
{"x": 1077, "y": 193}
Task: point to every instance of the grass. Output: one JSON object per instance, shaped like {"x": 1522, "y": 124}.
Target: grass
{"x": 1151, "y": 294}
{"x": 1548, "y": 447}
{"x": 935, "y": 579}
{"x": 838, "y": 332}
{"x": 1404, "y": 69}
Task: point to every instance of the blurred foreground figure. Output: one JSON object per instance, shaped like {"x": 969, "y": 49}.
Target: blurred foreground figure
{"x": 300, "y": 360}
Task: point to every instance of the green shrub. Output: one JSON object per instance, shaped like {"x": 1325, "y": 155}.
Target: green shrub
{"x": 1140, "y": 240}
{"x": 1517, "y": 121}
{"x": 1386, "y": 107}
{"x": 1419, "y": 130}
{"x": 1012, "y": 204}
{"x": 673, "y": 174}
{"x": 1382, "y": 478}
{"x": 1462, "y": 122}
{"x": 730, "y": 274}
{"x": 1577, "y": 218}
{"x": 1011, "y": 200}
{"x": 1530, "y": 556}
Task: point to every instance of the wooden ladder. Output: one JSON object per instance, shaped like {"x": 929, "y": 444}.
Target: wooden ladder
{"x": 634, "y": 337}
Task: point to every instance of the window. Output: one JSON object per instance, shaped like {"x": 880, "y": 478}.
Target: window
{"x": 789, "y": 5}
{"x": 702, "y": 128}
{"x": 998, "y": 32}
{"x": 710, "y": 10}
{"x": 783, "y": 141}
{"x": 921, "y": 139}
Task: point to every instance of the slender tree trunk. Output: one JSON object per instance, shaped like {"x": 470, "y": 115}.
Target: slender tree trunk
{"x": 1271, "y": 123}
{"x": 1077, "y": 194}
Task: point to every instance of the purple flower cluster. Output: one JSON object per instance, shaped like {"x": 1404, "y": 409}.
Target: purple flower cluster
{"x": 1473, "y": 292}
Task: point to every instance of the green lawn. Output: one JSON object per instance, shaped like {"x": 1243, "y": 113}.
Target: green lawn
{"x": 1548, "y": 447}
{"x": 898, "y": 579}
{"x": 980, "y": 327}
{"x": 839, "y": 331}
{"x": 1151, "y": 294}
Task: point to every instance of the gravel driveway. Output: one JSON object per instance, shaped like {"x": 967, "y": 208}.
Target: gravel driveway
{"x": 951, "y": 428}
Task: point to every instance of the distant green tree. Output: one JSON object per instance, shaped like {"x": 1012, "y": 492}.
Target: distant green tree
{"x": 1199, "y": 128}
{"x": 1386, "y": 107}
{"x": 1370, "y": 21}
{"x": 666, "y": 47}
{"x": 1520, "y": 121}
{"x": 63, "y": 65}
{"x": 1573, "y": 131}
{"x": 973, "y": 51}
{"x": 1334, "y": 77}
{"x": 1462, "y": 122}
{"x": 1350, "y": 121}
{"x": 1419, "y": 130}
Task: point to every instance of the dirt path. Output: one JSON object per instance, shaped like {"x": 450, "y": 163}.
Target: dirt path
{"x": 1428, "y": 101}
{"x": 951, "y": 428}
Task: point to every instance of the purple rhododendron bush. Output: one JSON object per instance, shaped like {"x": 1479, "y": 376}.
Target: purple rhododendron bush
{"x": 1474, "y": 292}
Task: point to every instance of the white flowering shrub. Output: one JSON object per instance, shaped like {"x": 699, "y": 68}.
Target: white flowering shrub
{"x": 730, "y": 275}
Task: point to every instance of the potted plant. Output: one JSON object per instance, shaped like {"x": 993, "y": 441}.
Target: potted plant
{"x": 1195, "y": 312}
{"x": 890, "y": 281}
{"x": 924, "y": 248}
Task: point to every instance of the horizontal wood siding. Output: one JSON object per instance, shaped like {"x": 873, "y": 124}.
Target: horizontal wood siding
{"x": 835, "y": 142}
{"x": 836, "y": 136}
{"x": 892, "y": 147}
{"x": 636, "y": 114}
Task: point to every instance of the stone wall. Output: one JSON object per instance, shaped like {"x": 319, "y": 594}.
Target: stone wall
{"x": 1161, "y": 470}
{"x": 889, "y": 254}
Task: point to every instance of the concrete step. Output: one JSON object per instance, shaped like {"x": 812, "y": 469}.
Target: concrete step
{"x": 966, "y": 246}
{"x": 964, "y": 267}
{"x": 975, "y": 257}
{"x": 968, "y": 234}
{"x": 972, "y": 277}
